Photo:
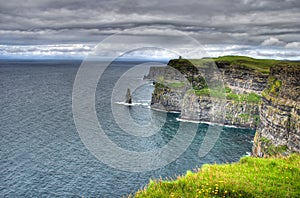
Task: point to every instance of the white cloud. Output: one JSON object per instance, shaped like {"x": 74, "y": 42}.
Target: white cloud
{"x": 56, "y": 50}
{"x": 295, "y": 45}
{"x": 288, "y": 52}
{"x": 272, "y": 41}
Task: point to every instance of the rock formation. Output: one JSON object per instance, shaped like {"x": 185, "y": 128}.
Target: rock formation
{"x": 279, "y": 130}
{"x": 128, "y": 98}
{"x": 262, "y": 94}
{"x": 203, "y": 107}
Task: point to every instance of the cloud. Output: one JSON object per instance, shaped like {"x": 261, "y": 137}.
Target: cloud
{"x": 247, "y": 22}
{"x": 83, "y": 50}
{"x": 58, "y": 50}
{"x": 272, "y": 41}
{"x": 295, "y": 45}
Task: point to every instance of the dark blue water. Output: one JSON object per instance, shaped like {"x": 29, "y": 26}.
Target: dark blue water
{"x": 43, "y": 156}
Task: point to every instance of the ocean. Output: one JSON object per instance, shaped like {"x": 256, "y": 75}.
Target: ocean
{"x": 42, "y": 154}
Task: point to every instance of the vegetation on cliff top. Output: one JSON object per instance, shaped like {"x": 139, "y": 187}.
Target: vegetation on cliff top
{"x": 260, "y": 65}
{"x": 250, "y": 177}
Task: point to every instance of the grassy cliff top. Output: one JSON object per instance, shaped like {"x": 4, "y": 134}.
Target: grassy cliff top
{"x": 250, "y": 177}
{"x": 260, "y": 65}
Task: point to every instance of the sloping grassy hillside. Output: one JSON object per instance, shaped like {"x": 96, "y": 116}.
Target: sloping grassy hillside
{"x": 260, "y": 65}
{"x": 250, "y": 177}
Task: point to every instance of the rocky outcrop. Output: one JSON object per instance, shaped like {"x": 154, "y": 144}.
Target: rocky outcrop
{"x": 165, "y": 99}
{"x": 279, "y": 130}
{"x": 243, "y": 80}
{"x": 128, "y": 98}
{"x": 276, "y": 115}
{"x": 216, "y": 110}
{"x": 167, "y": 73}
{"x": 202, "y": 107}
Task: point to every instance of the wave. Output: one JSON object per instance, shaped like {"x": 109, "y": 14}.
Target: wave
{"x": 161, "y": 110}
{"x": 133, "y": 104}
{"x": 211, "y": 123}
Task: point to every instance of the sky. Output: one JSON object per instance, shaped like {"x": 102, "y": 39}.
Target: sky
{"x": 72, "y": 28}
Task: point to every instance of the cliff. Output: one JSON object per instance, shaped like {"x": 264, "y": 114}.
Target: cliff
{"x": 195, "y": 101}
{"x": 241, "y": 79}
{"x": 207, "y": 109}
{"x": 262, "y": 94}
{"x": 279, "y": 130}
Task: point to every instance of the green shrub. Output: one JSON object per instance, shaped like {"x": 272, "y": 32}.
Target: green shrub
{"x": 232, "y": 96}
{"x": 202, "y": 92}
{"x": 252, "y": 97}
{"x": 227, "y": 90}
{"x": 245, "y": 116}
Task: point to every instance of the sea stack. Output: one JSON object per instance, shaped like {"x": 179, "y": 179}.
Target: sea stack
{"x": 128, "y": 97}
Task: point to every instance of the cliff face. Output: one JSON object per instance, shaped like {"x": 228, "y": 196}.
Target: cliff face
{"x": 258, "y": 95}
{"x": 279, "y": 130}
{"x": 209, "y": 109}
{"x": 170, "y": 86}
{"x": 203, "y": 107}
{"x": 165, "y": 99}
{"x": 241, "y": 79}
{"x": 168, "y": 73}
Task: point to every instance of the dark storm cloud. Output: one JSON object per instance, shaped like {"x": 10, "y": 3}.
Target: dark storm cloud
{"x": 247, "y": 22}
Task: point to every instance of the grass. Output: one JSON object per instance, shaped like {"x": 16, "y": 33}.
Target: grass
{"x": 217, "y": 93}
{"x": 250, "y": 177}
{"x": 249, "y": 97}
{"x": 260, "y": 65}
{"x": 274, "y": 86}
{"x": 233, "y": 96}
{"x": 184, "y": 66}
{"x": 244, "y": 116}
{"x": 159, "y": 85}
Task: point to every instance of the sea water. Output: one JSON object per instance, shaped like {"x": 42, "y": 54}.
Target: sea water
{"x": 42, "y": 154}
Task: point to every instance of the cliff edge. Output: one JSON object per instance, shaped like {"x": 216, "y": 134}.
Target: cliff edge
{"x": 259, "y": 94}
{"x": 279, "y": 129}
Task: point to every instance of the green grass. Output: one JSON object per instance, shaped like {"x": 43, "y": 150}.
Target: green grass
{"x": 227, "y": 90}
{"x": 215, "y": 93}
{"x": 159, "y": 85}
{"x": 218, "y": 93}
{"x": 249, "y": 97}
{"x": 184, "y": 66}
{"x": 252, "y": 97}
{"x": 250, "y": 177}
{"x": 260, "y": 65}
{"x": 244, "y": 116}
{"x": 202, "y": 92}
{"x": 233, "y": 96}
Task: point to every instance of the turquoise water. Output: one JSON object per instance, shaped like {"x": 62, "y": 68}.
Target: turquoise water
{"x": 43, "y": 156}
